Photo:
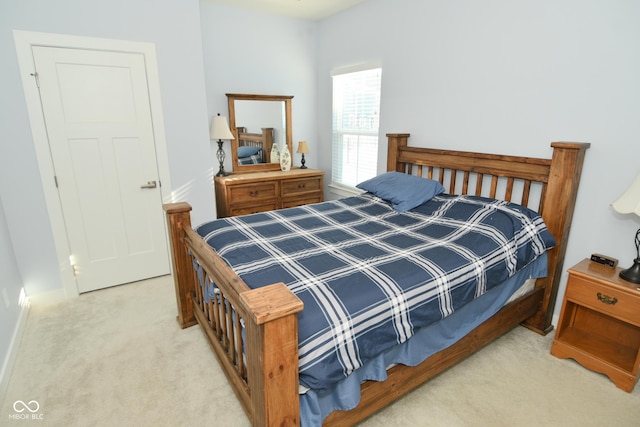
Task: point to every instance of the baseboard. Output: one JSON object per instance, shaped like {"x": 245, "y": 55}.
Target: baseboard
{"x": 12, "y": 351}
{"x": 554, "y": 320}
{"x": 47, "y": 298}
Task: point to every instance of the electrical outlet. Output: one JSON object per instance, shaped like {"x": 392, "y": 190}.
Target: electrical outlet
{"x": 5, "y": 295}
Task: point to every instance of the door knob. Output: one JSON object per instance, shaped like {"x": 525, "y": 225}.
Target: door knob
{"x": 149, "y": 184}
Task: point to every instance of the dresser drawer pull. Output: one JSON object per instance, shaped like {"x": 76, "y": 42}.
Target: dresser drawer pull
{"x": 606, "y": 299}
{"x": 254, "y": 193}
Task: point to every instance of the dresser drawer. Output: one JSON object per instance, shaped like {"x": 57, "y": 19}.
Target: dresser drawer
{"x": 254, "y": 208}
{"x": 299, "y": 201}
{"x": 293, "y": 187}
{"x": 246, "y": 193}
{"x": 253, "y": 192}
{"x": 605, "y": 299}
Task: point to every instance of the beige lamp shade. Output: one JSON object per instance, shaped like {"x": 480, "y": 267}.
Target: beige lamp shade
{"x": 220, "y": 128}
{"x": 302, "y": 147}
{"x": 629, "y": 202}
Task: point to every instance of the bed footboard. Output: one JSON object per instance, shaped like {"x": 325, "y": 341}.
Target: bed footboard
{"x": 253, "y": 333}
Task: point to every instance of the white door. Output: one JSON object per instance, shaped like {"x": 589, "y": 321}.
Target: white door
{"x": 98, "y": 118}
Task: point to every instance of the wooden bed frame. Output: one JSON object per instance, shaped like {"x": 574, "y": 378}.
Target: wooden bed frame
{"x": 263, "y": 140}
{"x": 266, "y": 379}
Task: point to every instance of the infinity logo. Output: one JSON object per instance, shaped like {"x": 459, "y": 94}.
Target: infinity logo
{"x": 28, "y": 406}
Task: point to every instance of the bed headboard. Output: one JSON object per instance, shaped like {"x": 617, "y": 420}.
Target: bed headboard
{"x": 262, "y": 140}
{"x": 549, "y": 186}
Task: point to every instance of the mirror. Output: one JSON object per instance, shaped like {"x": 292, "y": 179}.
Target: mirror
{"x": 258, "y": 122}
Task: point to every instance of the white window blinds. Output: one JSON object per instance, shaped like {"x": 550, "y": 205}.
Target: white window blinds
{"x": 356, "y": 119}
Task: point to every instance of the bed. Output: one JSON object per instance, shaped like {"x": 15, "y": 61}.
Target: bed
{"x": 254, "y": 148}
{"x": 254, "y": 332}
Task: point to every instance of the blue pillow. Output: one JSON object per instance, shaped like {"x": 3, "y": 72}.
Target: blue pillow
{"x": 247, "y": 150}
{"x": 404, "y": 191}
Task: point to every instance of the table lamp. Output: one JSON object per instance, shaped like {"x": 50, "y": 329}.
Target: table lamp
{"x": 302, "y": 149}
{"x": 220, "y": 130}
{"x": 629, "y": 202}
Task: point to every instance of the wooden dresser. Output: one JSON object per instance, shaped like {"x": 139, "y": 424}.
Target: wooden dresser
{"x": 246, "y": 193}
{"x": 599, "y": 324}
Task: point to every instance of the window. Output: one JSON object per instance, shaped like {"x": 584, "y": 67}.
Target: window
{"x": 356, "y": 119}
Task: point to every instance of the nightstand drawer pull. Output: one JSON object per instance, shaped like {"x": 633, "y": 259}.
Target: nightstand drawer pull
{"x": 606, "y": 299}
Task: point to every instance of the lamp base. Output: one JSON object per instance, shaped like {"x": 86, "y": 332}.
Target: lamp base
{"x": 220, "y": 156}
{"x": 632, "y": 274}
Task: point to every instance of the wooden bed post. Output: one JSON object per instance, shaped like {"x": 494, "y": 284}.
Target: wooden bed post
{"x": 272, "y": 355}
{"x": 179, "y": 219}
{"x": 395, "y": 141}
{"x": 559, "y": 202}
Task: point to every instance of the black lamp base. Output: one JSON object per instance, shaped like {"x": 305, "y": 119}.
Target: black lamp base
{"x": 632, "y": 274}
{"x": 220, "y": 155}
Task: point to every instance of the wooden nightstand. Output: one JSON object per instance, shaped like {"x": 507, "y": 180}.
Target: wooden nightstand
{"x": 246, "y": 193}
{"x": 599, "y": 324}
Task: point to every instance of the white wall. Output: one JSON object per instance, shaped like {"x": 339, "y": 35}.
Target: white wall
{"x": 507, "y": 77}
{"x": 253, "y": 52}
{"x": 174, "y": 28}
{"x": 10, "y": 287}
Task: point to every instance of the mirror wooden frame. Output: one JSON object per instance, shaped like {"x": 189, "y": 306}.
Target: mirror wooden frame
{"x": 231, "y": 99}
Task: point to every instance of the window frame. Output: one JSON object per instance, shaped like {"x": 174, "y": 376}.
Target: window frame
{"x": 339, "y": 131}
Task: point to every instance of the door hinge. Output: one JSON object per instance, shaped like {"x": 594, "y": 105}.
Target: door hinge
{"x": 55, "y": 179}
{"x": 37, "y": 77}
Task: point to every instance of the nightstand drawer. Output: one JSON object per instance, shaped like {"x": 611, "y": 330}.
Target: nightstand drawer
{"x": 292, "y": 187}
{"x": 253, "y": 192}
{"x": 599, "y": 323}
{"x": 605, "y": 299}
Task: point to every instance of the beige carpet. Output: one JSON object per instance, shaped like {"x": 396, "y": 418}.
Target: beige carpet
{"x": 117, "y": 357}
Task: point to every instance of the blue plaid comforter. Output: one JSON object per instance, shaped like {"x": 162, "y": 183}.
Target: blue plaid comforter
{"x": 370, "y": 277}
